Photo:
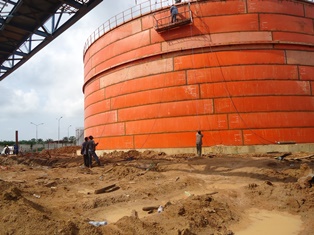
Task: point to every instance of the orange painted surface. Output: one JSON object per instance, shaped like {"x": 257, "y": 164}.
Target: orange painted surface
{"x": 135, "y": 41}
{"x": 218, "y": 39}
{"x": 271, "y": 136}
{"x": 300, "y": 47}
{"x": 239, "y": 26}
{"x": 231, "y": 23}
{"x": 117, "y": 142}
{"x": 271, "y": 120}
{"x": 91, "y": 87}
{"x": 306, "y": 73}
{"x": 169, "y": 140}
{"x": 97, "y": 108}
{"x": 156, "y": 96}
{"x": 135, "y": 54}
{"x": 187, "y": 139}
{"x": 96, "y": 131}
{"x": 300, "y": 57}
{"x": 147, "y": 22}
{"x": 264, "y": 104}
{"x": 147, "y": 83}
{"x": 309, "y": 11}
{"x": 87, "y": 67}
{"x": 137, "y": 70}
{"x": 242, "y": 72}
{"x": 203, "y": 9}
{"x": 168, "y": 125}
{"x": 286, "y": 23}
{"x": 96, "y": 96}
{"x": 172, "y": 109}
{"x": 222, "y": 137}
{"x": 217, "y": 59}
{"x": 255, "y": 88}
{"x": 284, "y": 37}
{"x": 124, "y": 31}
{"x": 112, "y": 129}
{"x": 275, "y": 6}
{"x": 99, "y": 119}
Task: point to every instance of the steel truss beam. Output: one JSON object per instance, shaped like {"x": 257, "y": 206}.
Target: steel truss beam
{"x": 27, "y": 26}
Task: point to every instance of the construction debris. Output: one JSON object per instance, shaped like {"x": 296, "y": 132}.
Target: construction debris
{"x": 107, "y": 189}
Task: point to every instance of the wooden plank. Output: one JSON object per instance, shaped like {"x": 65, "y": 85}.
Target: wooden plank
{"x": 105, "y": 189}
{"x": 305, "y": 157}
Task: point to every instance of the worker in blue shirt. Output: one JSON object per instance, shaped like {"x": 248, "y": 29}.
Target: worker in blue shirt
{"x": 174, "y": 13}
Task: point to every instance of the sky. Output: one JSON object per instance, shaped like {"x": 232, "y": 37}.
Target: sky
{"x": 49, "y": 85}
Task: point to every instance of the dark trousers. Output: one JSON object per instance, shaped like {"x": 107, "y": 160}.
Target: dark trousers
{"x": 199, "y": 149}
{"x": 92, "y": 154}
{"x": 86, "y": 161}
{"x": 173, "y": 18}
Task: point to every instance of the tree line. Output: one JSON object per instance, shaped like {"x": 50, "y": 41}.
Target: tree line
{"x": 71, "y": 140}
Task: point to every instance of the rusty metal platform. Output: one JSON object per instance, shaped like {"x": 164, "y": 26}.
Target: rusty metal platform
{"x": 163, "y": 19}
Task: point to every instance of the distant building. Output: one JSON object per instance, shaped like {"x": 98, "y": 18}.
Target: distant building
{"x": 79, "y": 135}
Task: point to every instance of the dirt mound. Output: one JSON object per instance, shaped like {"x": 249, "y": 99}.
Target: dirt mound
{"x": 54, "y": 194}
{"x": 63, "y": 151}
{"x": 193, "y": 215}
{"x": 66, "y": 151}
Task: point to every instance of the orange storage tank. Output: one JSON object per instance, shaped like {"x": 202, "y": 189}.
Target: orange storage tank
{"x": 242, "y": 71}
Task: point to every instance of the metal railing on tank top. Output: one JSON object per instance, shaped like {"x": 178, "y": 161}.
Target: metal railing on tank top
{"x": 138, "y": 10}
{"x": 135, "y": 12}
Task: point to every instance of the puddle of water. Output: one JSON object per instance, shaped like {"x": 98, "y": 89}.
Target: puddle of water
{"x": 271, "y": 223}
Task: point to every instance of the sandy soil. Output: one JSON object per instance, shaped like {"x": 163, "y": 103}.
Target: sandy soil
{"x": 52, "y": 193}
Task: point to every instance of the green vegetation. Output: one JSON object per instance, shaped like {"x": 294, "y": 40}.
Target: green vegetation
{"x": 65, "y": 140}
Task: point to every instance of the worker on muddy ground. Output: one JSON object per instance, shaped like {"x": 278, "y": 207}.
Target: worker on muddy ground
{"x": 84, "y": 152}
{"x": 199, "y": 142}
{"x": 91, "y": 151}
{"x": 174, "y": 13}
{"x": 7, "y": 150}
{"x": 16, "y": 149}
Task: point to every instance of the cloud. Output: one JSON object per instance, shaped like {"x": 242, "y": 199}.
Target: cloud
{"x": 69, "y": 107}
{"x": 17, "y": 102}
{"x": 49, "y": 85}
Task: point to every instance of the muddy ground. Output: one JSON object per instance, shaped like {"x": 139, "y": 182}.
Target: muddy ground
{"x": 52, "y": 193}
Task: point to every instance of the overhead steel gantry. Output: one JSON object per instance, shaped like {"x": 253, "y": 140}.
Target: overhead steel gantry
{"x": 26, "y": 26}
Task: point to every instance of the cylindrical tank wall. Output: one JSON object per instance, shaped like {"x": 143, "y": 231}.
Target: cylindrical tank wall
{"x": 242, "y": 72}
